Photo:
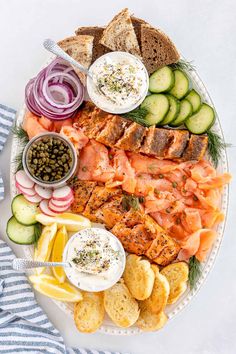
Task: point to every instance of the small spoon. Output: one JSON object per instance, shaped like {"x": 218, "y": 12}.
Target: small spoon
{"x": 22, "y": 264}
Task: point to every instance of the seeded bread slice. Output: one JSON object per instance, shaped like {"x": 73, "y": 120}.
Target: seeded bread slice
{"x": 157, "y": 48}
{"x": 96, "y": 32}
{"x": 120, "y": 35}
{"x": 137, "y": 22}
{"x": 80, "y": 48}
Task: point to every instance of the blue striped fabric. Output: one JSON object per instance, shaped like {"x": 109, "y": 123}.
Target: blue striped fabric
{"x": 24, "y": 327}
{"x": 7, "y": 116}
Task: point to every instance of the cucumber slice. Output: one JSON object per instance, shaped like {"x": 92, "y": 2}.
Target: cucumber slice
{"x": 195, "y": 99}
{"x": 186, "y": 111}
{"x": 173, "y": 110}
{"x": 21, "y": 234}
{"x": 181, "y": 85}
{"x": 202, "y": 120}
{"x": 157, "y": 106}
{"x": 23, "y": 210}
{"x": 161, "y": 80}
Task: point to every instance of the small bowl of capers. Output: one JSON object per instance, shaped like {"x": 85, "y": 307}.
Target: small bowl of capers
{"x": 49, "y": 159}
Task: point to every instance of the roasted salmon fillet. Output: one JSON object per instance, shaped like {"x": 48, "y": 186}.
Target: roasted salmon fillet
{"x": 132, "y": 138}
{"x": 100, "y": 195}
{"x": 179, "y": 140}
{"x": 116, "y": 131}
{"x": 140, "y": 234}
{"x": 196, "y": 147}
{"x": 156, "y": 141}
{"x": 112, "y": 131}
{"x": 82, "y": 193}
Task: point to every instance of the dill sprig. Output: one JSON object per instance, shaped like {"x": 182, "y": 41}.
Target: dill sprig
{"x": 195, "y": 270}
{"x": 23, "y": 139}
{"x": 21, "y": 134}
{"x": 183, "y": 65}
{"x": 130, "y": 202}
{"x": 18, "y": 161}
{"x": 216, "y": 145}
{"x": 138, "y": 115}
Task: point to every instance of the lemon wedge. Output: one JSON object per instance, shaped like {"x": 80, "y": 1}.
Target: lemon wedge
{"x": 45, "y": 243}
{"x": 72, "y": 222}
{"x": 57, "y": 251}
{"x": 50, "y": 286}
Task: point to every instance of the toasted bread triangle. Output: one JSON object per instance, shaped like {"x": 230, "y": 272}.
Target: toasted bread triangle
{"x": 79, "y": 48}
{"x": 119, "y": 35}
{"x": 96, "y": 32}
{"x": 157, "y": 48}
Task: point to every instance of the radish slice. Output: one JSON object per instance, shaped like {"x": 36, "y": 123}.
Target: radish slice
{"x": 35, "y": 199}
{"x": 23, "y": 180}
{"x": 30, "y": 192}
{"x": 43, "y": 192}
{"x": 62, "y": 203}
{"x": 63, "y": 193}
{"x": 57, "y": 209}
{"x": 43, "y": 206}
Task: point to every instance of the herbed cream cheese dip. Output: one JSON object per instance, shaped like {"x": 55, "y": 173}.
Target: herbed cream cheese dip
{"x": 123, "y": 80}
{"x": 97, "y": 259}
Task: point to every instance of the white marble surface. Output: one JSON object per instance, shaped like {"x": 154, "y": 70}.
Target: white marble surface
{"x": 203, "y": 30}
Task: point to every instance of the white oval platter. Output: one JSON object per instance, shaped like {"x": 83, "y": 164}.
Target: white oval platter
{"x": 108, "y": 327}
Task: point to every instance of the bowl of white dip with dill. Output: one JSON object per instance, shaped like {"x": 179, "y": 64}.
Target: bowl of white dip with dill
{"x": 120, "y": 82}
{"x": 96, "y": 258}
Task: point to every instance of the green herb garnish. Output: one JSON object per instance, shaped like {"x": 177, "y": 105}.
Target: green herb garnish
{"x": 216, "y": 145}
{"x": 18, "y": 161}
{"x": 183, "y": 65}
{"x": 23, "y": 138}
{"x": 21, "y": 134}
{"x": 138, "y": 115}
{"x": 194, "y": 271}
{"x": 130, "y": 202}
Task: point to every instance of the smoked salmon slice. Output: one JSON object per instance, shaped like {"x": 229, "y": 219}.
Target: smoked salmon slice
{"x": 216, "y": 182}
{"x": 94, "y": 163}
{"x": 76, "y": 136}
{"x": 198, "y": 244}
{"x": 32, "y": 126}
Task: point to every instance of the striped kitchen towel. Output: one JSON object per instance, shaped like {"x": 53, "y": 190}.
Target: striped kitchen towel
{"x": 7, "y": 116}
{"x": 24, "y": 327}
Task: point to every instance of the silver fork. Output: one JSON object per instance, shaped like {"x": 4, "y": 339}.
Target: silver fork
{"x": 23, "y": 264}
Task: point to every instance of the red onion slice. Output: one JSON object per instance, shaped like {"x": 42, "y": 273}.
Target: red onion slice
{"x": 56, "y": 92}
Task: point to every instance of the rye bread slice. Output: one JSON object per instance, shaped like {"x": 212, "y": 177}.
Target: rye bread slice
{"x": 96, "y": 32}
{"x": 119, "y": 35}
{"x": 137, "y": 22}
{"x": 80, "y": 48}
{"x": 157, "y": 48}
